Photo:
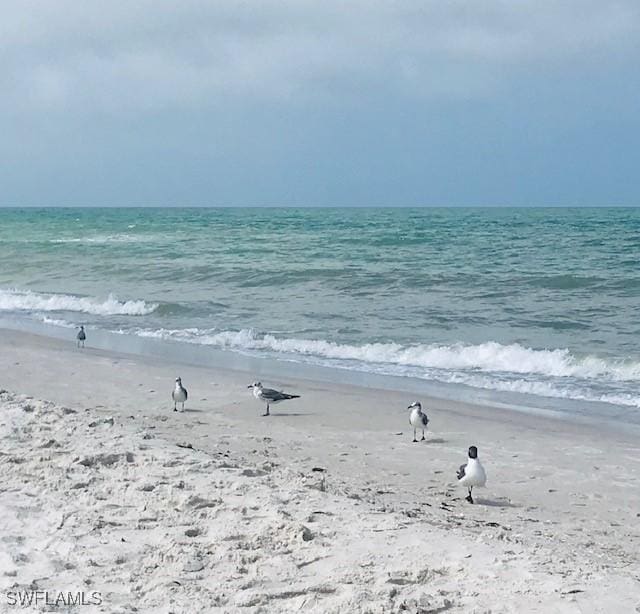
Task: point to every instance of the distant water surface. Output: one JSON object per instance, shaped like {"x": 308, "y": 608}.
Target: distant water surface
{"x": 537, "y": 301}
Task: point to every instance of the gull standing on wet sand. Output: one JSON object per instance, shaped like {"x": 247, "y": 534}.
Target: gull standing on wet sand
{"x": 417, "y": 419}
{"x": 179, "y": 394}
{"x": 472, "y": 474}
{"x": 269, "y": 396}
{"x": 81, "y": 336}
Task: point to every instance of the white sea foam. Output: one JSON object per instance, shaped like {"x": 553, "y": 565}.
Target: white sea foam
{"x": 490, "y": 366}
{"x": 18, "y": 300}
{"x": 540, "y": 387}
{"x": 489, "y": 357}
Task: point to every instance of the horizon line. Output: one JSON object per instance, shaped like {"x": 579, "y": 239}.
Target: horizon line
{"x": 478, "y": 206}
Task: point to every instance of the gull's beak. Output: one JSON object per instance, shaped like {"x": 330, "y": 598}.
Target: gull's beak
{"x": 250, "y": 386}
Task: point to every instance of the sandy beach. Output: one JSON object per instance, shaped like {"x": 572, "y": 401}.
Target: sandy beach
{"x": 326, "y": 506}
{"x": 359, "y": 212}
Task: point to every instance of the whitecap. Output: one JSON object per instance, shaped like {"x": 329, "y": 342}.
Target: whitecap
{"x": 488, "y": 357}
{"x": 19, "y": 300}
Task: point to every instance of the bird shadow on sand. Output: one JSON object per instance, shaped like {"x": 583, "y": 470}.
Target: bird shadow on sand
{"x": 494, "y": 502}
{"x": 281, "y": 415}
{"x": 435, "y": 440}
{"x": 193, "y": 411}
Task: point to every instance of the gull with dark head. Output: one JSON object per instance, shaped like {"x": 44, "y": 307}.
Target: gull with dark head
{"x": 472, "y": 474}
{"x": 417, "y": 419}
{"x": 270, "y": 396}
{"x": 81, "y": 336}
{"x": 179, "y": 394}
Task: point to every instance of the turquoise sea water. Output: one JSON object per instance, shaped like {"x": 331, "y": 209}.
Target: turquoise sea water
{"x": 541, "y": 302}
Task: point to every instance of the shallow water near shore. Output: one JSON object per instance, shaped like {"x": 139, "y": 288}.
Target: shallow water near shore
{"x": 524, "y": 307}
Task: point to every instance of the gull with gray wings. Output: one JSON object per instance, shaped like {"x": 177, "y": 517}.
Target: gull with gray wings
{"x": 270, "y": 396}
{"x": 81, "y": 336}
{"x": 179, "y": 394}
{"x": 417, "y": 419}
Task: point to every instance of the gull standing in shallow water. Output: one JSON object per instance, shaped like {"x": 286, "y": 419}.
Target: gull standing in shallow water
{"x": 81, "y": 336}
{"x": 179, "y": 394}
{"x": 472, "y": 474}
{"x": 269, "y": 396}
{"x": 417, "y": 419}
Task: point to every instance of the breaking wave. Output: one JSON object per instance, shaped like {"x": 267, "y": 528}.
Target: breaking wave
{"x": 555, "y": 373}
{"x": 489, "y": 357}
{"x": 20, "y": 300}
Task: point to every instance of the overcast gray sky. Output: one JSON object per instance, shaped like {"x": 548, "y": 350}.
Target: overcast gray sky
{"x": 323, "y": 103}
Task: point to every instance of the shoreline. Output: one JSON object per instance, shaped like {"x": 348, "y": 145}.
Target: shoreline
{"x": 597, "y": 414}
{"x": 240, "y": 368}
{"x": 554, "y": 531}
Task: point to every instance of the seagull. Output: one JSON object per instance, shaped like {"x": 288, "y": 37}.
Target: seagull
{"x": 269, "y": 396}
{"x": 472, "y": 474}
{"x": 417, "y": 419}
{"x": 81, "y": 336}
{"x": 179, "y": 394}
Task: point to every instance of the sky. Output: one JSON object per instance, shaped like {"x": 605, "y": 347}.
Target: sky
{"x": 298, "y": 103}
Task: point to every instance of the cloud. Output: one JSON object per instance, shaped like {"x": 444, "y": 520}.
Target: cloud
{"x": 124, "y": 56}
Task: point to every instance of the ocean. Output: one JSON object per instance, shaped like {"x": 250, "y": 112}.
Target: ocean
{"x": 534, "y": 307}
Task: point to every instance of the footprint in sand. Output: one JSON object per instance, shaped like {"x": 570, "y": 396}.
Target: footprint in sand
{"x": 193, "y": 532}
